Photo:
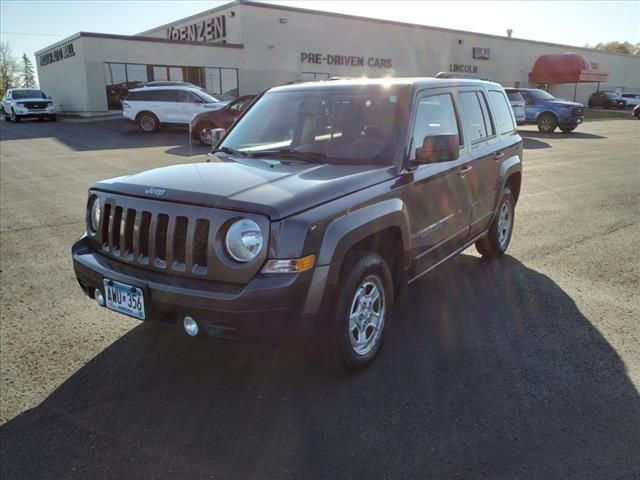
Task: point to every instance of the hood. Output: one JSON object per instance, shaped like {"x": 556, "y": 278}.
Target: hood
{"x": 564, "y": 103}
{"x": 269, "y": 187}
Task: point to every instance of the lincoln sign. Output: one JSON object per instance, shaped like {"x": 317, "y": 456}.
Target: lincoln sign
{"x": 213, "y": 28}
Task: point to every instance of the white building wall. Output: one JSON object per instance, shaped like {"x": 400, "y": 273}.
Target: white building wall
{"x": 65, "y": 81}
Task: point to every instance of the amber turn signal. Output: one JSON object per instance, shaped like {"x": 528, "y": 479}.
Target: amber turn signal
{"x": 296, "y": 265}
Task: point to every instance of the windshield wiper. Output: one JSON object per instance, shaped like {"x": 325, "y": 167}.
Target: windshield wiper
{"x": 230, "y": 151}
{"x": 309, "y": 157}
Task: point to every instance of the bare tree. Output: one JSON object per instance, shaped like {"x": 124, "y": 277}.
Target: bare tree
{"x": 28, "y": 77}
{"x": 8, "y": 68}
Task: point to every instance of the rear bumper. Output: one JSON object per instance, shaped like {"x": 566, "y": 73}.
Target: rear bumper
{"x": 270, "y": 305}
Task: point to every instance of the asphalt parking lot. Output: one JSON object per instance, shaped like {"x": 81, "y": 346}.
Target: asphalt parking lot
{"x": 522, "y": 368}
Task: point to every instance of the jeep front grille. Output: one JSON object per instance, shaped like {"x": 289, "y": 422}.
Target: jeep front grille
{"x": 183, "y": 240}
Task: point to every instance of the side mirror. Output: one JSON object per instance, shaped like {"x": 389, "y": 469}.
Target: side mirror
{"x": 215, "y": 135}
{"x": 438, "y": 148}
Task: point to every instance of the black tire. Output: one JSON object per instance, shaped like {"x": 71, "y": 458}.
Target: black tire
{"x": 568, "y": 129}
{"x": 493, "y": 245}
{"x": 53, "y": 118}
{"x": 547, "y": 122}
{"x": 361, "y": 269}
{"x": 590, "y": 104}
{"x": 199, "y": 132}
{"x": 14, "y": 117}
{"x": 147, "y": 122}
{"x": 621, "y": 107}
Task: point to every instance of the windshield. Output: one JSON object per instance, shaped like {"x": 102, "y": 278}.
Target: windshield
{"x": 205, "y": 96}
{"x": 18, "y": 94}
{"x": 541, "y": 95}
{"x": 353, "y": 125}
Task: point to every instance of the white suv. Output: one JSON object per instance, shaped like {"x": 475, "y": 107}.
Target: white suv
{"x": 19, "y": 103}
{"x": 152, "y": 106}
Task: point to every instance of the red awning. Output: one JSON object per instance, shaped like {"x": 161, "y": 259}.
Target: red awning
{"x": 564, "y": 68}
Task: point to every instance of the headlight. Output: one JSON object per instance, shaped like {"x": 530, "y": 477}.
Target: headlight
{"x": 244, "y": 240}
{"x": 95, "y": 212}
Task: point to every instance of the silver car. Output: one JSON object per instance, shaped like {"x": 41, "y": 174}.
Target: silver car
{"x": 517, "y": 105}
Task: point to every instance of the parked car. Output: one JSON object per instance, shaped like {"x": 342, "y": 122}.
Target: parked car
{"x": 607, "y": 100}
{"x": 548, "y": 112}
{"x": 636, "y": 112}
{"x": 204, "y": 122}
{"x": 516, "y": 100}
{"x": 152, "y": 107}
{"x": 632, "y": 99}
{"x": 19, "y": 103}
{"x": 318, "y": 206}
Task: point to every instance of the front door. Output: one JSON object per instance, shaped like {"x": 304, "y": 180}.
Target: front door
{"x": 436, "y": 197}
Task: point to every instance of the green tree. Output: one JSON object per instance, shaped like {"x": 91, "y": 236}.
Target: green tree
{"x": 8, "y": 68}
{"x": 627, "y": 48}
{"x": 28, "y": 77}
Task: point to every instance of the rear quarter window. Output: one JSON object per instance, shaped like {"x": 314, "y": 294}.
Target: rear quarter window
{"x": 502, "y": 112}
{"x": 515, "y": 97}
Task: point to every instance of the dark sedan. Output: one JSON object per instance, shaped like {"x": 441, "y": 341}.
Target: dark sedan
{"x": 223, "y": 118}
{"x": 607, "y": 100}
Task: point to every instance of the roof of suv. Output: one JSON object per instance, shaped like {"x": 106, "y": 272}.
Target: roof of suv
{"x": 166, "y": 87}
{"x": 400, "y": 81}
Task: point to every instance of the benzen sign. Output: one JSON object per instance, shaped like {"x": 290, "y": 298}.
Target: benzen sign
{"x": 214, "y": 28}
{"x": 344, "y": 60}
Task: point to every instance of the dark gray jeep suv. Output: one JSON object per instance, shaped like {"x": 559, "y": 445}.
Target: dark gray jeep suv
{"x": 311, "y": 214}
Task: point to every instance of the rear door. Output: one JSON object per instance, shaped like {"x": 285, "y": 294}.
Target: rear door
{"x": 166, "y": 105}
{"x": 480, "y": 182}
{"x": 436, "y": 197}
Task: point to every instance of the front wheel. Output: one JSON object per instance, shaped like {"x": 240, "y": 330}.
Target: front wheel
{"x": 203, "y": 131}
{"x": 496, "y": 242}
{"x": 547, "y": 123}
{"x": 568, "y": 129}
{"x": 52, "y": 118}
{"x": 14, "y": 117}
{"x": 361, "y": 312}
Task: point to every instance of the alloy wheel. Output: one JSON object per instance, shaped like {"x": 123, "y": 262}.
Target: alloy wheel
{"x": 367, "y": 315}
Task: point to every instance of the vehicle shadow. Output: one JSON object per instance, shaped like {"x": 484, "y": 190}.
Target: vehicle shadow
{"x": 533, "y": 144}
{"x": 98, "y": 135}
{"x": 489, "y": 371}
{"x": 557, "y": 135}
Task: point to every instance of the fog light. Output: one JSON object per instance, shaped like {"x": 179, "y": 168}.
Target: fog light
{"x": 97, "y": 294}
{"x": 190, "y": 326}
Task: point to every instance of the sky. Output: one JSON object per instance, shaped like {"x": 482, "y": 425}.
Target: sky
{"x": 29, "y": 26}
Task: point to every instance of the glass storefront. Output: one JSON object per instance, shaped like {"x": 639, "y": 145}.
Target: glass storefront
{"x": 121, "y": 77}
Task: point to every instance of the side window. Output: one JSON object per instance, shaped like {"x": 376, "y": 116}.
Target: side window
{"x": 238, "y": 106}
{"x": 165, "y": 96}
{"x": 472, "y": 118}
{"x": 527, "y": 98}
{"x": 502, "y": 111}
{"x": 192, "y": 98}
{"x": 435, "y": 115}
{"x": 488, "y": 119}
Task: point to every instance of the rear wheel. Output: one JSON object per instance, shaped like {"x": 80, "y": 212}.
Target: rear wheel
{"x": 147, "y": 122}
{"x": 568, "y": 129}
{"x": 547, "y": 122}
{"x": 497, "y": 240}
{"x": 361, "y": 312}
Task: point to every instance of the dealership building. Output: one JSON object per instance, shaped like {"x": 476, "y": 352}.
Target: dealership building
{"x": 244, "y": 47}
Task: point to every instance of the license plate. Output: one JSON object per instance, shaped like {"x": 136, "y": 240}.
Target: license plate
{"x": 124, "y": 298}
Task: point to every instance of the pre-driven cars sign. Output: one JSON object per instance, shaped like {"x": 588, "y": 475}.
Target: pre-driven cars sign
{"x": 344, "y": 60}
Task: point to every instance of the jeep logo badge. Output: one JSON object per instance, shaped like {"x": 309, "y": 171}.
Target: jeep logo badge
{"x": 158, "y": 192}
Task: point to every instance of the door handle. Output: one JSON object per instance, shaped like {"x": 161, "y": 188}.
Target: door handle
{"x": 498, "y": 155}
{"x": 464, "y": 170}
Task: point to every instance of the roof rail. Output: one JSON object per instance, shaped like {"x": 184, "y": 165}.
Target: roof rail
{"x": 460, "y": 75}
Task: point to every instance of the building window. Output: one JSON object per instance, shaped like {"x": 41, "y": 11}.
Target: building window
{"x": 119, "y": 78}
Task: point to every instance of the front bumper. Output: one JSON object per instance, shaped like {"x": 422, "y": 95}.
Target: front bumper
{"x": 270, "y": 305}
{"x": 25, "y": 113}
